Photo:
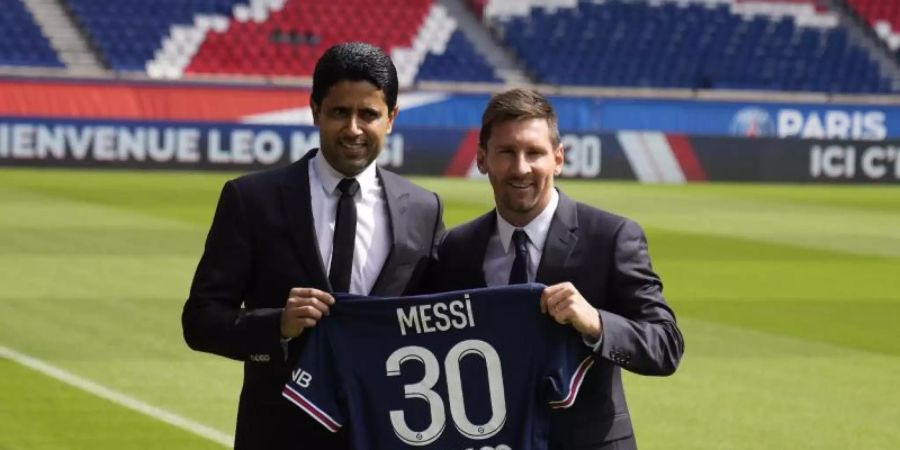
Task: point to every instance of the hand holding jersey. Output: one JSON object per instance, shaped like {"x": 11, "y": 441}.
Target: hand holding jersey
{"x": 303, "y": 309}
{"x": 566, "y": 305}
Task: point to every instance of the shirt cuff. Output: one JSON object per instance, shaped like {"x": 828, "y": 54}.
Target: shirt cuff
{"x": 592, "y": 342}
{"x": 284, "y": 347}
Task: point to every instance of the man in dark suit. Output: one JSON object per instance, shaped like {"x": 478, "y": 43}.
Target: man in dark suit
{"x": 283, "y": 240}
{"x": 595, "y": 264}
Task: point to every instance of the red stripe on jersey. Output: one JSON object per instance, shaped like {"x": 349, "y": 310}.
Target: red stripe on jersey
{"x": 311, "y": 409}
{"x": 687, "y": 159}
{"x": 574, "y": 384}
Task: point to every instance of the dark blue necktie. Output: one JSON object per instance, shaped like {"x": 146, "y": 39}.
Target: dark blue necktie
{"x": 344, "y": 237}
{"x": 519, "y": 272}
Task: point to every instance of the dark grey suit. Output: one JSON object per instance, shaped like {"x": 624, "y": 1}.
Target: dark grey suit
{"x": 261, "y": 244}
{"x": 605, "y": 257}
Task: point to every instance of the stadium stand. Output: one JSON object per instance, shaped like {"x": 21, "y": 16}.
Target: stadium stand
{"x": 419, "y": 33}
{"x": 290, "y": 39}
{"x": 169, "y": 38}
{"x": 459, "y": 62}
{"x": 128, "y": 32}
{"x": 21, "y": 41}
{"x": 780, "y": 45}
{"x": 883, "y": 16}
{"x": 731, "y": 44}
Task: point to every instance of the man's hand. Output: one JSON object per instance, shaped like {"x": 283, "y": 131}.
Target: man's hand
{"x": 566, "y": 305}
{"x": 304, "y": 308}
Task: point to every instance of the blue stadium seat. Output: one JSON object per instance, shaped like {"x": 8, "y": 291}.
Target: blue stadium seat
{"x": 679, "y": 45}
{"x": 128, "y": 32}
{"x": 459, "y": 62}
{"x": 21, "y": 41}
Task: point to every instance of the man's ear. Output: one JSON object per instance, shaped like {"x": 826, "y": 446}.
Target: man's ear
{"x": 315, "y": 112}
{"x": 559, "y": 158}
{"x": 392, "y": 116}
{"x": 479, "y": 159}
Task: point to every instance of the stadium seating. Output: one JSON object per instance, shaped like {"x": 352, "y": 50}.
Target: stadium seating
{"x": 789, "y": 45}
{"x": 291, "y": 39}
{"x": 274, "y": 37}
{"x": 21, "y": 41}
{"x": 878, "y": 10}
{"x": 128, "y": 32}
{"x": 460, "y": 62}
{"x": 732, "y": 44}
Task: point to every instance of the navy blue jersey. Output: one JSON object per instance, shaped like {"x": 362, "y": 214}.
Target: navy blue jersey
{"x": 465, "y": 369}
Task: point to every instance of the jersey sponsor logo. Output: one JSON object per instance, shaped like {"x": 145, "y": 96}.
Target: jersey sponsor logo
{"x": 301, "y": 377}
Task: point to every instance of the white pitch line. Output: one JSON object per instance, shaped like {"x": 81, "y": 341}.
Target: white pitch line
{"x": 117, "y": 397}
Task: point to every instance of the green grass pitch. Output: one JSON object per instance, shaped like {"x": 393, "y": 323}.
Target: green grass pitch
{"x": 788, "y": 297}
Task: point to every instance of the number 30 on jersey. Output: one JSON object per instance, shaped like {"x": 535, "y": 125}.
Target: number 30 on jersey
{"x": 423, "y": 391}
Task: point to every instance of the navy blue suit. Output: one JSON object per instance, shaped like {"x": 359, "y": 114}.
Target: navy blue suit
{"x": 261, "y": 244}
{"x": 605, "y": 257}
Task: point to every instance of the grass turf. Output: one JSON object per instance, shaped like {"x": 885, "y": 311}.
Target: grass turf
{"x": 787, "y": 296}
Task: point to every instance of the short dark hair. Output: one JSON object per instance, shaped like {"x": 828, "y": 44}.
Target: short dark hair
{"x": 355, "y": 61}
{"x": 517, "y": 104}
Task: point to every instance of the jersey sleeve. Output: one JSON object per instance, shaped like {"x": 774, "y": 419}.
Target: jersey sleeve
{"x": 314, "y": 384}
{"x": 568, "y": 361}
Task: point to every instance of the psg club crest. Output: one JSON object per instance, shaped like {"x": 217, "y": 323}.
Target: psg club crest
{"x": 752, "y": 122}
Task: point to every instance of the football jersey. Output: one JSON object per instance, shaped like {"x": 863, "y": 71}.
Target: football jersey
{"x": 466, "y": 369}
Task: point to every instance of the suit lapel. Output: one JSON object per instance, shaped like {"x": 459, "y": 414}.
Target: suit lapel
{"x": 561, "y": 241}
{"x": 297, "y": 203}
{"x": 397, "y": 200}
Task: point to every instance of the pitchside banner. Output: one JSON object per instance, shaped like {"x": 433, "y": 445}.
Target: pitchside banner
{"x": 840, "y": 121}
{"x": 799, "y": 161}
{"x": 649, "y": 157}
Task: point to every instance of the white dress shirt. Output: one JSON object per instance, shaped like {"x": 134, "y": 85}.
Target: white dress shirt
{"x": 500, "y": 254}
{"x": 373, "y": 233}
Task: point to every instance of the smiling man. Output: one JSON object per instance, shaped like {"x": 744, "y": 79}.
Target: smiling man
{"x": 596, "y": 266}
{"x": 283, "y": 240}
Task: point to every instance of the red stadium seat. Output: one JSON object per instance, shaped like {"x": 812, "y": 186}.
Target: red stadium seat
{"x": 883, "y": 16}
{"x": 314, "y": 25}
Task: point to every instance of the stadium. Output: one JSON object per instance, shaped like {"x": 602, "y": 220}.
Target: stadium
{"x": 757, "y": 142}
